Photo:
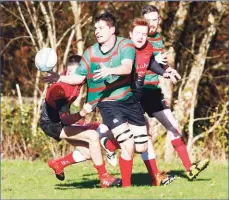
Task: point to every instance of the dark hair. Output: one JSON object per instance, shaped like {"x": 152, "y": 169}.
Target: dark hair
{"x": 148, "y": 9}
{"x": 73, "y": 59}
{"x": 108, "y": 18}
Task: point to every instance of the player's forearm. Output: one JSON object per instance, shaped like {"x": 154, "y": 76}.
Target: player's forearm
{"x": 155, "y": 67}
{"x": 72, "y": 79}
{"x": 121, "y": 70}
{"x": 72, "y": 118}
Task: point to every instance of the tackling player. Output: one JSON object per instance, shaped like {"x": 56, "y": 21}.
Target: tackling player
{"x": 57, "y": 122}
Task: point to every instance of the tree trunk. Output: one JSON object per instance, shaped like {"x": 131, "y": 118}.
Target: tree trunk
{"x": 167, "y": 86}
{"x": 186, "y": 100}
{"x": 76, "y": 10}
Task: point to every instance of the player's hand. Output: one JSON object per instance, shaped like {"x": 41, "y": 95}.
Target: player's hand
{"x": 87, "y": 108}
{"x": 168, "y": 75}
{"x": 173, "y": 72}
{"x": 102, "y": 72}
{"x": 52, "y": 77}
{"x": 161, "y": 58}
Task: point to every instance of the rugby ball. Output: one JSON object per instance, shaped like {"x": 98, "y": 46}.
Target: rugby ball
{"x": 46, "y": 59}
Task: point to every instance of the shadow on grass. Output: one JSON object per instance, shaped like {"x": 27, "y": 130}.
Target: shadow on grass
{"x": 138, "y": 179}
{"x": 86, "y": 184}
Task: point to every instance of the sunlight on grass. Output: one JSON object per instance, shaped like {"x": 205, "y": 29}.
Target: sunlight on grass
{"x": 29, "y": 180}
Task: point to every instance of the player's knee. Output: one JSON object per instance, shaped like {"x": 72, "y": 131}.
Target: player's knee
{"x": 93, "y": 136}
{"x": 173, "y": 129}
{"x": 140, "y": 148}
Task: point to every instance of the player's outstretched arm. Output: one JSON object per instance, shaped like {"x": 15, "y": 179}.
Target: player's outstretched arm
{"x": 162, "y": 58}
{"x": 173, "y": 72}
{"x": 54, "y": 77}
{"x": 73, "y": 118}
{"x": 155, "y": 67}
{"x": 124, "y": 69}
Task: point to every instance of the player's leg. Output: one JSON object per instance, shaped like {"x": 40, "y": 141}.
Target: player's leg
{"x": 92, "y": 138}
{"x": 155, "y": 105}
{"x": 137, "y": 124}
{"x": 115, "y": 120}
{"x": 170, "y": 123}
{"x": 149, "y": 158}
{"x": 107, "y": 139}
{"x": 140, "y": 138}
{"x": 124, "y": 137}
{"x": 158, "y": 178}
{"x": 166, "y": 118}
{"x": 80, "y": 154}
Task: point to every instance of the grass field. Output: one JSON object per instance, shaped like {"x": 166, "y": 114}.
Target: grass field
{"x": 34, "y": 180}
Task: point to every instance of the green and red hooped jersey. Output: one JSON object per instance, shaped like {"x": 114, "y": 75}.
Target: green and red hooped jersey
{"x": 113, "y": 87}
{"x": 151, "y": 78}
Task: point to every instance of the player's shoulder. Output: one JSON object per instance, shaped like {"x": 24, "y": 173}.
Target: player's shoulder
{"x": 149, "y": 45}
{"x": 156, "y": 37}
{"x": 124, "y": 42}
{"x": 93, "y": 47}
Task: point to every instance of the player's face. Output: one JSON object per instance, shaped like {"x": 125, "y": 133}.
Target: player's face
{"x": 139, "y": 35}
{"x": 103, "y": 32}
{"x": 71, "y": 69}
{"x": 154, "y": 20}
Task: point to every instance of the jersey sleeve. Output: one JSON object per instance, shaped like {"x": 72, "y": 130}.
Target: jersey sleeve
{"x": 128, "y": 50}
{"x": 84, "y": 65}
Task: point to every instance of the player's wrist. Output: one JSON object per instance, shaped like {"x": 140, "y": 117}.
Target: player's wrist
{"x": 82, "y": 113}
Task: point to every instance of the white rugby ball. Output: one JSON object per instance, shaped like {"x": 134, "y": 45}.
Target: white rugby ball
{"x": 46, "y": 59}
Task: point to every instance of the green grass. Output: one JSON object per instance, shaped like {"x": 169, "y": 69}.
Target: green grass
{"x": 34, "y": 180}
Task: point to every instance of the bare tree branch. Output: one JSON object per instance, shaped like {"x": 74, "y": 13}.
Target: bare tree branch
{"x": 26, "y": 26}
{"x": 12, "y": 40}
{"x": 224, "y": 112}
{"x": 50, "y": 5}
{"x": 36, "y": 26}
{"x": 11, "y": 12}
{"x": 48, "y": 25}
{"x": 68, "y": 47}
{"x": 64, "y": 34}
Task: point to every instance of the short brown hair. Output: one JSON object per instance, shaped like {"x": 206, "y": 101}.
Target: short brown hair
{"x": 108, "y": 18}
{"x": 138, "y": 22}
{"x": 148, "y": 9}
{"x": 74, "y": 59}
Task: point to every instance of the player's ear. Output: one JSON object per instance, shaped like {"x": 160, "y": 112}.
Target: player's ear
{"x": 113, "y": 29}
{"x": 159, "y": 20}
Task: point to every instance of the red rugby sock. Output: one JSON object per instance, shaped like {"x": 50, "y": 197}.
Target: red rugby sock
{"x": 101, "y": 169}
{"x": 126, "y": 171}
{"x": 181, "y": 149}
{"x": 66, "y": 160}
{"x": 112, "y": 145}
{"x": 151, "y": 166}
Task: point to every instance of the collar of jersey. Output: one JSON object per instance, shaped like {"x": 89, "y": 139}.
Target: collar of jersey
{"x": 143, "y": 47}
{"x": 110, "y": 49}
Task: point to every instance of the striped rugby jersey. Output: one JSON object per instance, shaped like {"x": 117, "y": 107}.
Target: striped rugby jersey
{"x": 151, "y": 78}
{"x": 113, "y": 87}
